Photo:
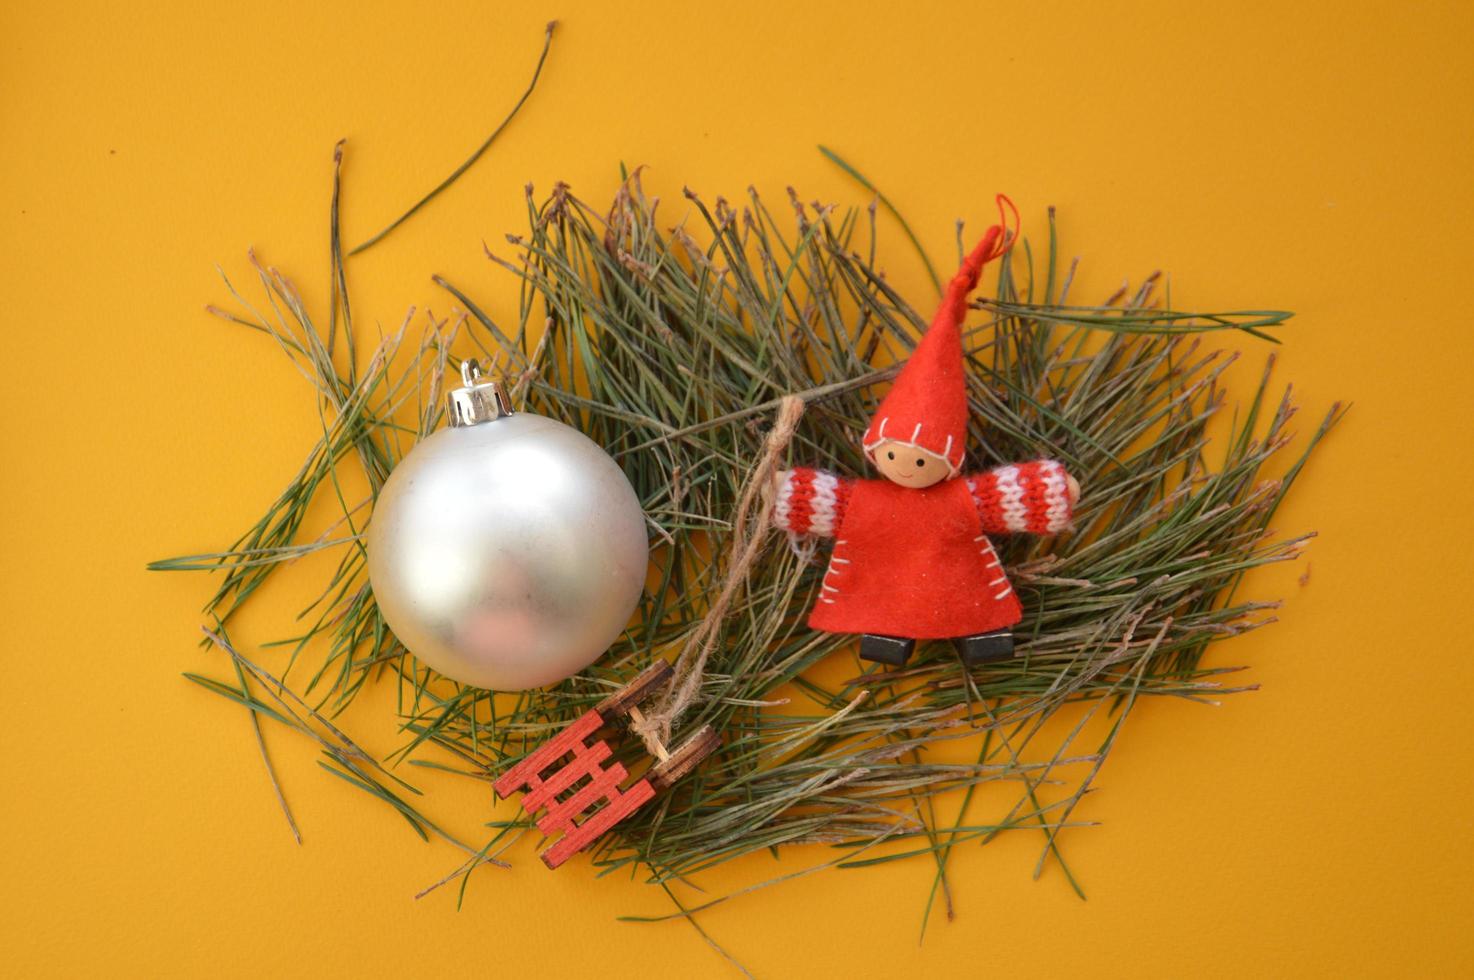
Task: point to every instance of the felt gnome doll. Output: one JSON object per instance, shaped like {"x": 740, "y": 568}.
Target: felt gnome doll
{"x": 912, "y": 559}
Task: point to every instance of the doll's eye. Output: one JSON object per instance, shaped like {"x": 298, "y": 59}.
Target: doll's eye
{"x": 890, "y": 455}
{"x": 920, "y": 462}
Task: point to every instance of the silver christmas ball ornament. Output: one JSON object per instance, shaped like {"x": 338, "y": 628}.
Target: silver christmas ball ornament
{"x": 506, "y": 550}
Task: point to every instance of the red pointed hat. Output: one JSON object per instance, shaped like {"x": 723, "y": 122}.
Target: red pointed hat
{"x": 927, "y": 406}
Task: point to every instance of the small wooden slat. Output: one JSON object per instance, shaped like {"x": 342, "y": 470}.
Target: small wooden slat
{"x": 684, "y": 759}
{"x": 569, "y": 739}
{"x": 585, "y": 763}
{"x": 620, "y": 806}
{"x": 635, "y": 691}
{"x": 603, "y": 786}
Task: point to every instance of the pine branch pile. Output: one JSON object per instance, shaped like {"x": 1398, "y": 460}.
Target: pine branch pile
{"x": 672, "y": 348}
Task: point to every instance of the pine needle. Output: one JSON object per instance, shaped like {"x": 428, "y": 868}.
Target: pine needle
{"x": 476, "y": 155}
{"x": 885, "y": 202}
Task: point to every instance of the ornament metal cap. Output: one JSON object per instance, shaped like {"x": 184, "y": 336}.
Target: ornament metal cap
{"x": 481, "y": 400}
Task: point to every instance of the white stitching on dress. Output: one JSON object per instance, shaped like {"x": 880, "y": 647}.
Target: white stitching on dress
{"x": 997, "y": 566}
{"x": 831, "y": 571}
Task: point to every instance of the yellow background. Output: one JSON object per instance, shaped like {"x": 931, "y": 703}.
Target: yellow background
{"x": 1316, "y": 159}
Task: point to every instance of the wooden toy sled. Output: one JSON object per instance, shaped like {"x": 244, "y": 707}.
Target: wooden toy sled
{"x": 582, "y": 797}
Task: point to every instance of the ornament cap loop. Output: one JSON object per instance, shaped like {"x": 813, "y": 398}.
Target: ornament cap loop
{"x": 480, "y": 400}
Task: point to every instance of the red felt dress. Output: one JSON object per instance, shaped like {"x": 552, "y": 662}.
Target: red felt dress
{"x": 918, "y": 563}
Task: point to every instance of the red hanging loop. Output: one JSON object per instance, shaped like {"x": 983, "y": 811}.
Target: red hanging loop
{"x": 1008, "y": 236}
{"x": 996, "y": 242}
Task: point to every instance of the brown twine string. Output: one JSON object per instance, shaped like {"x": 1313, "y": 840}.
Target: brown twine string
{"x": 655, "y": 727}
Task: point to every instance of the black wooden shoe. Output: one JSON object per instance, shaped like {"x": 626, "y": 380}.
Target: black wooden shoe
{"x": 984, "y": 648}
{"x": 892, "y": 650}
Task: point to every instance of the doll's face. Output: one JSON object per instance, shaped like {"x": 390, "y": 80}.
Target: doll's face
{"x": 908, "y": 466}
